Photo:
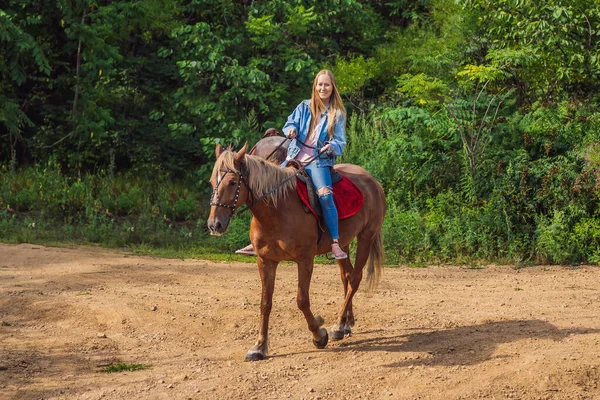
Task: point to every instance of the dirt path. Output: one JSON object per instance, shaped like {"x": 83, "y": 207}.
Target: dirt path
{"x": 432, "y": 333}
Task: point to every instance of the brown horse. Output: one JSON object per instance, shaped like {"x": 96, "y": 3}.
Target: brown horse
{"x": 282, "y": 230}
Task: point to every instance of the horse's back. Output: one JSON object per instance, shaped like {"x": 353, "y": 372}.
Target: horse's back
{"x": 360, "y": 177}
{"x": 371, "y": 188}
{"x": 272, "y": 147}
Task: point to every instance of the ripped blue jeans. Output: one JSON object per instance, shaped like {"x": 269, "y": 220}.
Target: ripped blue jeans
{"x": 321, "y": 177}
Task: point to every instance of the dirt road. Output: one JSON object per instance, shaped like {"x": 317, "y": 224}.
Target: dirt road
{"x": 431, "y": 333}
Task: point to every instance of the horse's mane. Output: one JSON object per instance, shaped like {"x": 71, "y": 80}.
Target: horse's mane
{"x": 262, "y": 176}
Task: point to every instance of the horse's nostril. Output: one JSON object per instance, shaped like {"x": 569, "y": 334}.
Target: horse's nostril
{"x": 215, "y": 227}
{"x": 211, "y": 226}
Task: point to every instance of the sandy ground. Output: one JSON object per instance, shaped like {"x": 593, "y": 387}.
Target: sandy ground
{"x": 430, "y": 333}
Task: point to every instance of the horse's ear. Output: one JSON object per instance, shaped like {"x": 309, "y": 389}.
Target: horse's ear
{"x": 218, "y": 150}
{"x": 239, "y": 156}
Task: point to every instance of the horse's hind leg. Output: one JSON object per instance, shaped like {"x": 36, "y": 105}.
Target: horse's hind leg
{"x": 342, "y": 327}
{"x": 320, "y": 336}
{"x": 267, "y": 270}
{"x": 353, "y": 279}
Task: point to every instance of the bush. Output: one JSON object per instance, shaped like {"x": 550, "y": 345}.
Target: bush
{"x": 587, "y": 237}
{"x": 554, "y": 242}
{"x": 130, "y": 202}
{"x": 237, "y": 234}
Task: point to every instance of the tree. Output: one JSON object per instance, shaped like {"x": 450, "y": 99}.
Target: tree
{"x": 22, "y": 54}
{"x": 561, "y": 37}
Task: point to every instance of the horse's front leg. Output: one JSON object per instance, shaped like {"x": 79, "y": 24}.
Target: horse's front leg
{"x": 320, "y": 337}
{"x": 267, "y": 270}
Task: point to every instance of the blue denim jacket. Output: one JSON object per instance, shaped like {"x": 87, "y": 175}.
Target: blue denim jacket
{"x": 300, "y": 119}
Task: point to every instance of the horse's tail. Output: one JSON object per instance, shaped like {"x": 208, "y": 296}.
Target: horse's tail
{"x": 375, "y": 262}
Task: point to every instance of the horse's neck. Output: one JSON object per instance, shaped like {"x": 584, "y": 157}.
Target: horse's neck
{"x": 263, "y": 212}
{"x": 280, "y": 217}
{"x": 264, "y": 209}
{"x": 268, "y": 181}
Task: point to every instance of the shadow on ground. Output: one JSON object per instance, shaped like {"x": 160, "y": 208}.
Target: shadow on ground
{"x": 466, "y": 345}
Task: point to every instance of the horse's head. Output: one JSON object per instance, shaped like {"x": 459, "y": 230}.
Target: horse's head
{"x": 229, "y": 181}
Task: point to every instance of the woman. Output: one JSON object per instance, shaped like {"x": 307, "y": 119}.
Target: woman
{"x": 317, "y": 127}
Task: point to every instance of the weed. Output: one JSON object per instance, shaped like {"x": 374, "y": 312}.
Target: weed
{"x": 122, "y": 367}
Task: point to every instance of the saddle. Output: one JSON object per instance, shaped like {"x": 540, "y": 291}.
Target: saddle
{"x": 348, "y": 198}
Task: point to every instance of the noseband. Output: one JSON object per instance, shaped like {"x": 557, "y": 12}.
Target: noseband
{"x": 232, "y": 206}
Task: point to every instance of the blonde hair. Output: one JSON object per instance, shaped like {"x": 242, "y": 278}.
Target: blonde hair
{"x": 336, "y": 106}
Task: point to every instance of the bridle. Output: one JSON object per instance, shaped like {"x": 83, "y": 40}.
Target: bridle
{"x": 241, "y": 178}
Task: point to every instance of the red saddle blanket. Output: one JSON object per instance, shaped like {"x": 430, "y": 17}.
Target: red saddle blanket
{"x": 347, "y": 197}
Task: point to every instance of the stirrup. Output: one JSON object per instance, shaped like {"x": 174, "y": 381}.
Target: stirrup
{"x": 338, "y": 255}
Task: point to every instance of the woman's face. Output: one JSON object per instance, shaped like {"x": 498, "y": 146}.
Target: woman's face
{"x": 324, "y": 88}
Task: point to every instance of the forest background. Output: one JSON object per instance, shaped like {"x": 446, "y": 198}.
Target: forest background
{"x": 480, "y": 118}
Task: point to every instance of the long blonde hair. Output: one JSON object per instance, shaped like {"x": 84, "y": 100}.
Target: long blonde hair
{"x": 336, "y": 106}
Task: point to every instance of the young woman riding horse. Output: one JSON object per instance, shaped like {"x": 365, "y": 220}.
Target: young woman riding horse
{"x": 317, "y": 127}
{"x": 282, "y": 230}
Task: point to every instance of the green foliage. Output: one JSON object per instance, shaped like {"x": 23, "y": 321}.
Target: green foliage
{"x": 555, "y": 240}
{"x": 352, "y": 74}
{"x": 406, "y": 240}
{"x": 99, "y": 199}
{"x": 479, "y": 118}
{"x": 432, "y": 47}
{"x": 237, "y": 232}
{"x": 586, "y": 238}
{"x": 425, "y": 90}
{"x": 412, "y": 151}
{"x": 19, "y": 46}
{"x": 475, "y": 116}
{"x": 560, "y": 37}
{"x": 20, "y": 53}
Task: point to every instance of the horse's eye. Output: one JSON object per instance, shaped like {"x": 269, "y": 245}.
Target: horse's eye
{"x": 231, "y": 183}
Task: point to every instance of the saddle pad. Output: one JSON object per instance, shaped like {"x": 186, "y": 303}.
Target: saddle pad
{"x": 347, "y": 197}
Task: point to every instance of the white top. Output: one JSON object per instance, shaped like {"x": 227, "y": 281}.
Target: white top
{"x": 306, "y": 153}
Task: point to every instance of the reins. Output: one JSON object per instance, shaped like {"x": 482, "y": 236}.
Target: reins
{"x": 277, "y": 148}
{"x": 306, "y": 145}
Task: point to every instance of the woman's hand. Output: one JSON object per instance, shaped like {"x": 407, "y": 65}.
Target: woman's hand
{"x": 291, "y": 133}
{"x": 327, "y": 150}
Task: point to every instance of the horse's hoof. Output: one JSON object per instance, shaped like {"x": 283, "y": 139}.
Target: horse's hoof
{"x": 254, "y": 355}
{"x": 337, "y": 334}
{"x": 321, "y": 343}
{"x": 347, "y": 331}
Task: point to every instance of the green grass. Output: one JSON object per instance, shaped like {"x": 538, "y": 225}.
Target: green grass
{"x": 121, "y": 367}
{"x": 160, "y": 244}
{"x": 151, "y": 238}
{"x": 201, "y": 252}
{"x": 158, "y": 240}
